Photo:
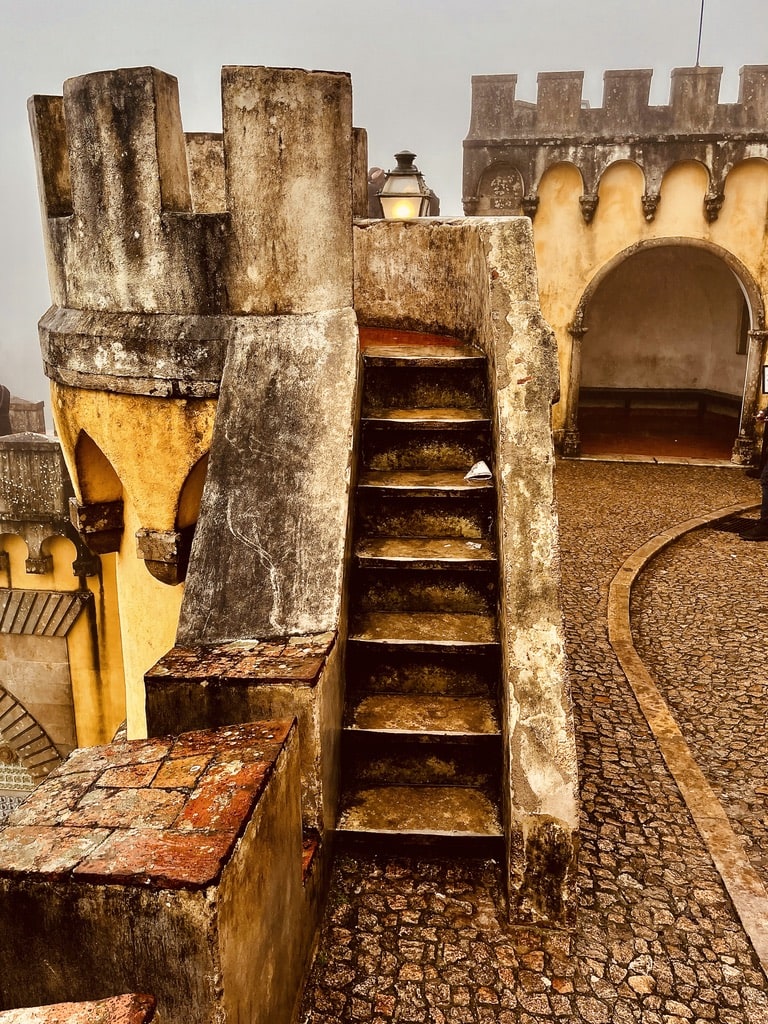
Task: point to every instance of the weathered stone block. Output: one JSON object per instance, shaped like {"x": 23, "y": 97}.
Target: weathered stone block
{"x": 268, "y": 554}
{"x": 290, "y": 131}
{"x": 127, "y": 1009}
{"x": 170, "y": 860}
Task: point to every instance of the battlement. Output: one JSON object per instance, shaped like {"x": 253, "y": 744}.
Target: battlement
{"x": 139, "y": 217}
{"x": 561, "y": 111}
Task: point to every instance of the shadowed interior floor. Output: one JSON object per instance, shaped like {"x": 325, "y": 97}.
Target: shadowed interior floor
{"x": 705, "y": 435}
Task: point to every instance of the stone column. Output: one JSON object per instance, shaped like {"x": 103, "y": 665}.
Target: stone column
{"x": 744, "y": 445}
{"x": 571, "y": 438}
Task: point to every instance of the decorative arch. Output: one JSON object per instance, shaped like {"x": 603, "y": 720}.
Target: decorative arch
{"x": 99, "y": 517}
{"x": 757, "y": 337}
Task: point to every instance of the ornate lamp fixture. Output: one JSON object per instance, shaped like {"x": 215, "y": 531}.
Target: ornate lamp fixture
{"x": 404, "y": 194}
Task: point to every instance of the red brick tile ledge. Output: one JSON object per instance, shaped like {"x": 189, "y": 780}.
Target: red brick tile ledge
{"x": 126, "y": 1009}
{"x": 297, "y": 660}
{"x": 156, "y": 813}
{"x": 741, "y": 881}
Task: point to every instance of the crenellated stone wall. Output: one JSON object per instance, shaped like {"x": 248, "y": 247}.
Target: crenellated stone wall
{"x": 561, "y": 127}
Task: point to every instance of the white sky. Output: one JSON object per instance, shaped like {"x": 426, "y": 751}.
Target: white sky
{"x": 411, "y": 62}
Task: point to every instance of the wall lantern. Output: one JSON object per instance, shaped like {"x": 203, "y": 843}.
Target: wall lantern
{"x": 404, "y": 194}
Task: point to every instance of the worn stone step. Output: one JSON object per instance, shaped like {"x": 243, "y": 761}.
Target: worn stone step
{"x": 425, "y": 630}
{"x": 400, "y": 514}
{"x": 408, "y": 590}
{"x": 442, "y": 384}
{"x": 424, "y": 714}
{"x": 425, "y": 553}
{"x": 454, "y": 671}
{"x": 422, "y": 483}
{"x": 424, "y": 354}
{"x": 392, "y": 448}
{"x": 413, "y": 759}
{"x": 428, "y": 419}
{"x": 423, "y": 812}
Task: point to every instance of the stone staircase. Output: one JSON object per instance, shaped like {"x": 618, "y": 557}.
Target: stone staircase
{"x": 421, "y": 753}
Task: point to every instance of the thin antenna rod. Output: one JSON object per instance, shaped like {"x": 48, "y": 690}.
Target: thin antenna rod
{"x": 701, "y": 24}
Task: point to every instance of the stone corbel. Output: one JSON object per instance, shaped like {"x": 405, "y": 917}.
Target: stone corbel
{"x": 34, "y": 536}
{"x": 650, "y": 201}
{"x": 713, "y": 202}
{"x": 100, "y": 523}
{"x": 165, "y": 553}
{"x": 588, "y": 203}
{"x": 530, "y": 205}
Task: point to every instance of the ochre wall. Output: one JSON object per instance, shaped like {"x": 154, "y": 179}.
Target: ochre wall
{"x": 152, "y": 445}
{"x": 571, "y": 253}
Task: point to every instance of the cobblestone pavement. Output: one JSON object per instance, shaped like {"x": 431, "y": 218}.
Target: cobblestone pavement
{"x": 657, "y": 940}
{"x": 699, "y": 614}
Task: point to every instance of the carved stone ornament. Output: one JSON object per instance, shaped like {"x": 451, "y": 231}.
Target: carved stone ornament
{"x": 588, "y": 203}
{"x": 650, "y": 203}
{"x": 713, "y": 202}
{"x": 530, "y": 204}
{"x": 571, "y": 444}
{"x": 576, "y": 327}
{"x": 506, "y": 192}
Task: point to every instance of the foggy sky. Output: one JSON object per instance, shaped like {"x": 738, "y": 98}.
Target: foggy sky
{"x": 411, "y": 63}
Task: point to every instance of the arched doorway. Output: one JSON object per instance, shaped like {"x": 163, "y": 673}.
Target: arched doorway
{"x": 665, "y": 354}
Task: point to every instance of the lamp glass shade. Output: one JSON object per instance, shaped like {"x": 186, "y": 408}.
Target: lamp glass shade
{"x": 402, "y": 207}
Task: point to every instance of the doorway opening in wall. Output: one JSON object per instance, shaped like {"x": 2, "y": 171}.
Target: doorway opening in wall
{"x": 663, "y": 361}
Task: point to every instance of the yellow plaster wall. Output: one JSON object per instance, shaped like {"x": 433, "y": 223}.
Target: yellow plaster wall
{"x": 152, "y": 444}
{"x": 95, "y": 657}
{"x": 570, "y": 253}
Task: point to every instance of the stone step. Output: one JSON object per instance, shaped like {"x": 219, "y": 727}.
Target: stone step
{"x": 422, "y": 483}
{"x": 423, "y": 355}
{"x": 421, "y": 814}
{"x": 400, "y": 514}
{"x": 440, "y": 385}
{"x": 424, "y": 553}
{"x": 412, "y": 759}
{"x": 425, "y": 715}
{"x": 425, "y": 630}
{"x": 392, "y": 447}
{"x": 411, "y": 590}
{"x": 461, "y": 672}
{"x": 428, "y": 419}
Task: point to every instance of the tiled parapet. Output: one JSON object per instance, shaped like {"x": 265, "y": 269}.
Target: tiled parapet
{"x": 212, "y": 685}
{"x": 127, "y": 1009}
{"x": 161, "y": 865}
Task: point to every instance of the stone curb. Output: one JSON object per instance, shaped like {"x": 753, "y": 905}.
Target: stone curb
{"x": 740, "y": 879}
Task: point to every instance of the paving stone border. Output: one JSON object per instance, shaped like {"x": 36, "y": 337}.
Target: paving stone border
{"x": 742, "y": 882}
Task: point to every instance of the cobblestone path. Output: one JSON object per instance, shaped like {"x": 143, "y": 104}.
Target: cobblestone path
{"x": 700, "y": 618}
{"x": 657, "y": 940}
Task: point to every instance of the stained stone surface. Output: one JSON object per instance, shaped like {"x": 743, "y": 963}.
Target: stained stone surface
{"x": 657, "y": 940}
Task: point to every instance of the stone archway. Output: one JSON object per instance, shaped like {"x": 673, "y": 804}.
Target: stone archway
{"x": 665, "y": 320}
